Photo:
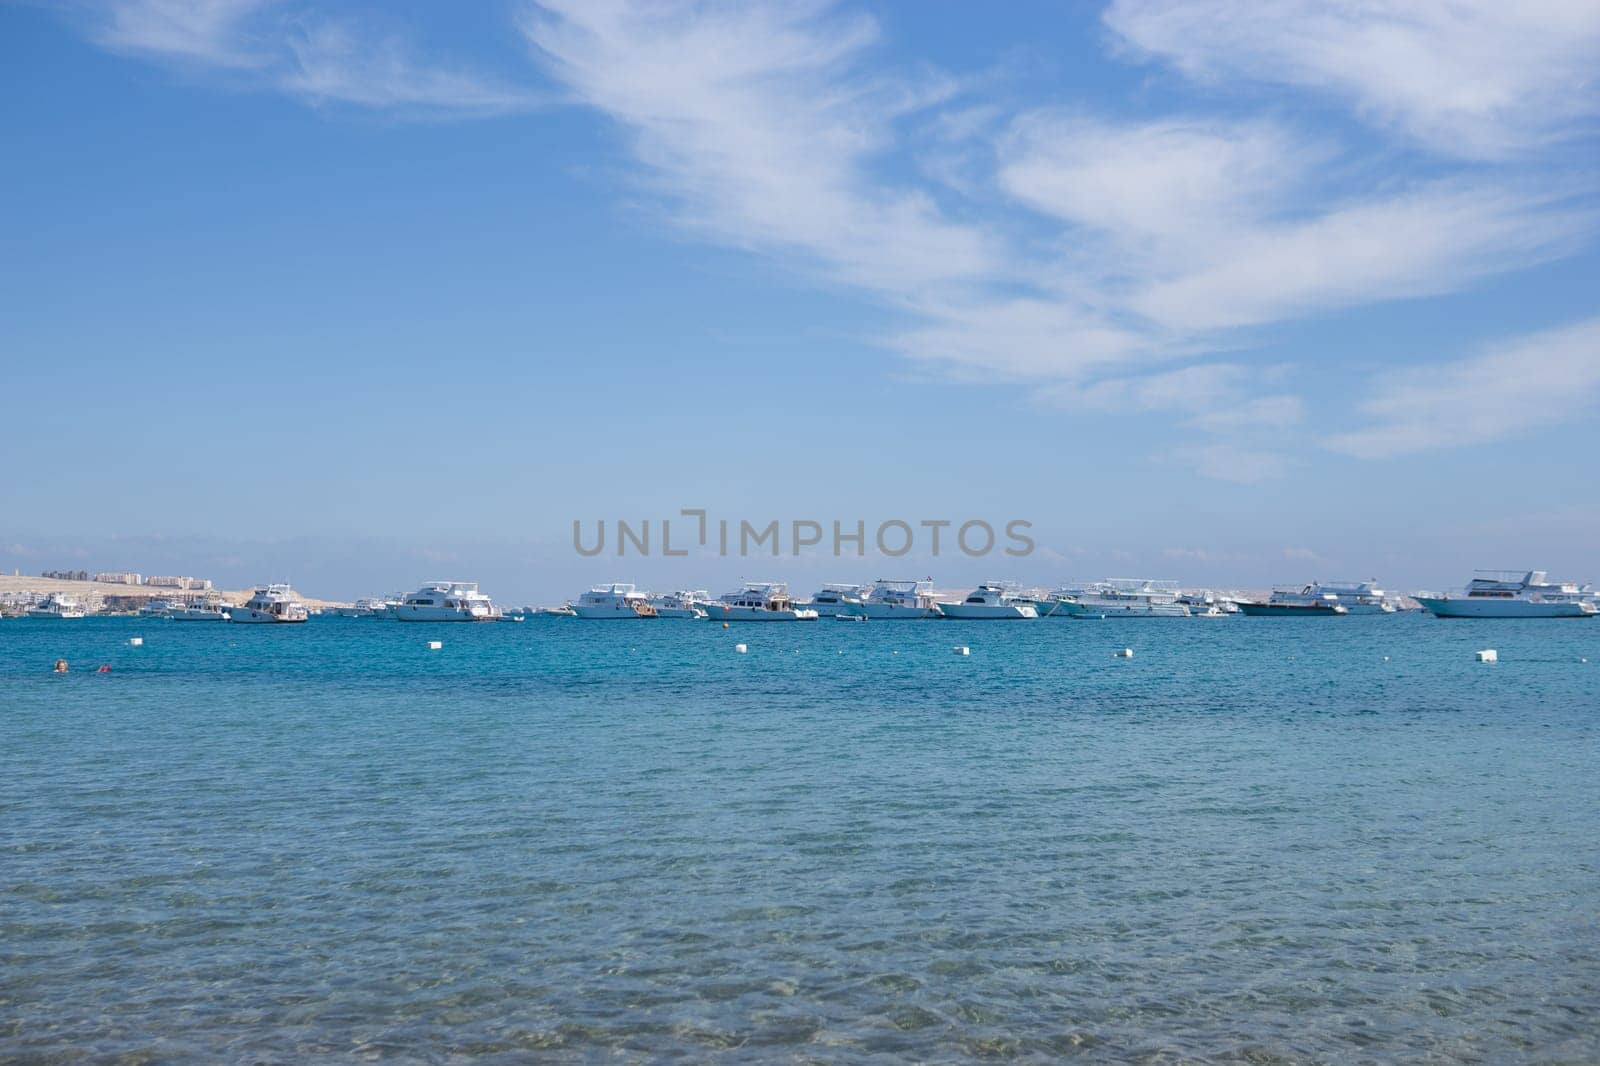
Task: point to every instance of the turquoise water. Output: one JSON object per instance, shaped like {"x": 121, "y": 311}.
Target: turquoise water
{"x": 1255, "y": 840}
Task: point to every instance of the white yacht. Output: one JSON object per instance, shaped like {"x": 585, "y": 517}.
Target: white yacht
{"x": 685, "y": 603}
{"x": 56, "y": 605}
{"x": 1295, "y": 603}
{"x": 901, "y": 599}
{"x": 156, "y": 609}
{"x": 1512, "y": 594}
{"x": 614, "y": 601}
{"x": 1123, "y": 598}
{"x": 991, "y": 601}
{"x": 759, "y": 601}
{"x": 1358, "y": 597}
{"x": 200, "y": 611}
{"x": 831, "y": 600}
{"x": 270, "y": 603}
{"x": 1203, "y": 603}
{"x": 447, "y": 601}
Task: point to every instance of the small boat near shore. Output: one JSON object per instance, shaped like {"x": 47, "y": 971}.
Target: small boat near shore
{"x": 201, "y": 611}
{"x": 1512, "y": 594}
{"x": 57, "y": 605}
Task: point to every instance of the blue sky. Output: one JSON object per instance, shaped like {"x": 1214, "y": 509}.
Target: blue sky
{"x": 364, "y": 295}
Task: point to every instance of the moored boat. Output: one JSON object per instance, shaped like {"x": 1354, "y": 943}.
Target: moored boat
{"x": 1357, "y": 597}
{"x": 685, "y": 603}
{"x": 1121, "y": 598}
{"x": 990, "y": 601}
{"x": 200, "y": 611}
{"x": 57, "y": 605}
{"x": 1295, "y": 603}
{"x": 270, "y": 604}
{"x": 834, "y": 599}
{"x": 447, "y": 601}
{"x": 759, "y": 601}
{"x": 617, "y": 600}
{"x": 1512, "y": 594}
{"x": 906, "y": 599}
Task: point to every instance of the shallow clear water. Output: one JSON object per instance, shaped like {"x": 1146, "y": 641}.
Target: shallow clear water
{"x": 1256, "y": 839}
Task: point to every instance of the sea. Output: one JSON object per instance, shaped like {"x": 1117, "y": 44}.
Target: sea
{"x": 1264, "y": 840}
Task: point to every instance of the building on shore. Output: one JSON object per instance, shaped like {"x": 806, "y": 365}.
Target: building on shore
{"x": 114, "y": 578}
{"x": 188, "y": 584}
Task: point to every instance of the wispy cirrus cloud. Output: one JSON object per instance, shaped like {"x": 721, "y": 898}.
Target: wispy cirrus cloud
{"x": 1476, "y": 78}
{"x": 770, "y": 128}
{"x": 1106, "y": 261}
{"x": 1513, "y": 388}
{"x": 296, "y": 50}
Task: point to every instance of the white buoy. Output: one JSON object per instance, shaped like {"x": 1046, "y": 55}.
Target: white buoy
{"x": 136, "y": 642}
{"x": 962, "y": 649}
{"x": 740, "y": 648}
{"x": 1125, "y": 653}
{"x": 1385, "y": 658}
{"x": 435, "y": 645}
{"x": 1488, "y": 655}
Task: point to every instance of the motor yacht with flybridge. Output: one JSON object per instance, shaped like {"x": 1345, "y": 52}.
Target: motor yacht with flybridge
{"x": 1120, "y": 597}
{"x": 1358, "y": 597}
{"x": 617, "y": 600}
{"x": 56, "y": 605}
{"x": 685, "y": 603}
{"x": 892, "y": 598}
{"x": 447, "y": 601}
{"x": 202, "y": 610}
{"x": 835, "y": 599}
{"x": 991, "y": 600}
{"x": 270, "y": 604}
{"x": 759, "y": 601}
{"x": 1512, "y": 594}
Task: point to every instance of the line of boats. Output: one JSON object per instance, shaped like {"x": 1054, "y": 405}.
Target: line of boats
{"x": 1490, "y": 594}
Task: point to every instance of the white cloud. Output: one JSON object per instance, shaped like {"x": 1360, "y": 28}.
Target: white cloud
{"x": 1480, "y": 78}
{"x": 757, "y": 121}
{"x": 1174, "y": 183}
{"x": 273, "y": 44}
{"x": 212, "y": 32}
{"x": 1513, "y": 388}
{"x": 1231, "y": 462}
{"x": 337, "y": 62}
{"x": 1101, "y": 259}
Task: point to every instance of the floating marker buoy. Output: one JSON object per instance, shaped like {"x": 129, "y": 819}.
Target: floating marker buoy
{"x": 1488, "y": 655}
{"x": 104, "y": 669}
{"x": 1125, "y": 653}
{"x": 724, "y": 625}
{"x": 136, "y": 641}
{"x": 740, "y": 648}
{"x": 961, "y": 649}
{"x": 1385, "y": 658}
{"x": 435, "y": 645}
